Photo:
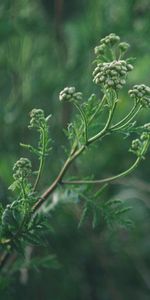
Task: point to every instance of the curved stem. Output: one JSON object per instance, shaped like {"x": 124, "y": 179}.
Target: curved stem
{"x": 91, "y": 119}
{"x": 126, "y": 117}
{"x": 103, "y": 131}
{"x": 122, "y": 174}
{"x": 105, "y": 179}
{"x": 124, "y": 125}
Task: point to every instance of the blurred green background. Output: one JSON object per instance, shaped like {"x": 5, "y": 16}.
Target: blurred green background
{"x": 46, "y": 45}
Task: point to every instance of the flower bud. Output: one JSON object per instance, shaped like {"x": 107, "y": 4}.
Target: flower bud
{"x": 123, "y": 47}
{"x": 144, "y": 136}
{"x": 70, "y": 94}
{"x": 112, "y": 39}
{"x": 22, "y": 168}
{"x": 142, "y": 94}
{"x": 136, "y": 145}
{"x": 99, "y": 49}
{"x": 37, "y": 118}
{"x": 112, "y": 74}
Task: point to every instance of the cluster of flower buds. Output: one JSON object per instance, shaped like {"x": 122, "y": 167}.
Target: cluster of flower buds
{"x": 112, "y": 39}
{"x": 141, "y": 93}
{"x": 70, "y": 94}
{"x": 123, "y": 46}
{"x": 109, "y": 41}
{"x": 113, "y": 74}
{"x": 22, "y": 168}
{"x": 138, "y": 144}
{"x": 37, "y": 118}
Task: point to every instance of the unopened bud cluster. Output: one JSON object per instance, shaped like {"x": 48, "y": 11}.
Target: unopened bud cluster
{"x": 109, "y": 40}
{"x": 112, "y": 39}
{"x": 142, "y": 94}
{"x": 70, "y": 94}
{"x": 123, "y": 46}
{"x": 22, "y": 168}
{"x": 138, "y": 144}
{"x": 113, "y": 74}
{"x": 37, "y": 118}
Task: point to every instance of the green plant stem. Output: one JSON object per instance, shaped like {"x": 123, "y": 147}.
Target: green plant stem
{"x": 122, "y": 174}
{"x": 71, "y": 158}
{"x": 74, "y": 154}
{"x": 125, "y": 118}
{"x": 87, "y": 124}
{"x": 111, "y": 52}
{"x": 84, "y": 120}
{"x": 124, "y": 125}
{"x": 42, "y": 158}
{"x": 23, "y": 188}
{"x": 128, "y": 171}
{"x": 98, "y": 109}
{"x": 58, "y": 180}
{"x": 104, "y": 130}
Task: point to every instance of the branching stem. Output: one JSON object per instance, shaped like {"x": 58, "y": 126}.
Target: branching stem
{"x": 71, "y": 158}
{"x": 125, "y": 118}
{"x": 125, "y": 124}
{"x": 98, "y": 109}
{"x": 104, "y": 130}
{"x": 109, "y": 179}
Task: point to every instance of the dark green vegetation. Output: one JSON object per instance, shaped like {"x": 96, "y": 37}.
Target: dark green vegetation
{"x": 44, "y": 47}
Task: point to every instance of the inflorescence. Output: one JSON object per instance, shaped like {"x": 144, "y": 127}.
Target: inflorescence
{"x": 22, "y": 168}
{"x": 70, "y": 94}
{"x": 37, "y": 118}
{"x": 141, "y": 93}
{"x": 113, "y": 74}
{"x": 109, "y": 40}
{"x": 111, "y": 69}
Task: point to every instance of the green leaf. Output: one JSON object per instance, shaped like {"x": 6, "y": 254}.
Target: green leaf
{"x": 34, "y": 238}
{"x": 83, "y": 215}
{"x": 14, "y": 186}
